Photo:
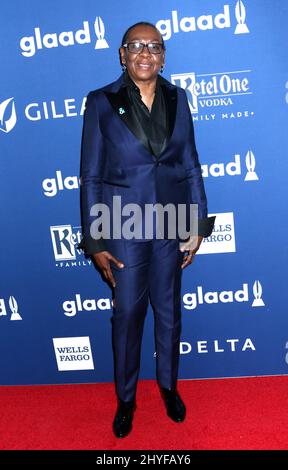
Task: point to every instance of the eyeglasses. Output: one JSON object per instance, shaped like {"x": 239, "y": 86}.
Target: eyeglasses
{"x": 137, "y": 47}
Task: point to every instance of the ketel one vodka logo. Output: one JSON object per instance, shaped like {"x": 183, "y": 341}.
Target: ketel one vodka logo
{"x": 64, "y": 242}
{"x": 65, "y": 239}
{"x": 8, "y": 116}
{"x": 30, "y": 44}
{"x": 213, "y": 90}
{"x": 15, "y": 315}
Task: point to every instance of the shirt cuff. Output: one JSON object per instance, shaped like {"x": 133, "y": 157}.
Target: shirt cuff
{"x": 90, "y": 246}
{"x": 205, "y": 226}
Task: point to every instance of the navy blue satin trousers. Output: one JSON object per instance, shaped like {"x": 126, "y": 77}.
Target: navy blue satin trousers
{"x": 152, "y": 273}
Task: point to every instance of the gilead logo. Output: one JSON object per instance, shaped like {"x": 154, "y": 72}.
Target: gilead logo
{"x": 8, "y": 116}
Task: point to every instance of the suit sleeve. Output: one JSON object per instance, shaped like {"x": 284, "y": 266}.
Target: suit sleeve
{"x": 195, "y": 179}
{"x": 92, "y": 161}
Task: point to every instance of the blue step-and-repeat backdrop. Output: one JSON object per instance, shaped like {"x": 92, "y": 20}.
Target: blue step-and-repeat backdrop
{"x": 55, "y": 311}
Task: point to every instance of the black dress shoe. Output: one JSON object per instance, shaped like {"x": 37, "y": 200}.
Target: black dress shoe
{"x": 122, "y": 423}
{"x": 174, "y": 405}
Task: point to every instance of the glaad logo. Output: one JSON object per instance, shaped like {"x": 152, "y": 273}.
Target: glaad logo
{"x": 240, "y": 14}
{"x": 51, "y": 186}
{"x": 250, "y": 165}
{"x": 193, "y": 300}
{"x": 72, "y": 307}
{"x": 257, "y": 291}
{"x": 189, "y": 24}
{"x": 64, "y": 240}
{"x": 30, "y": 44}
{"x": 99, "y": 29}
{"x": 232, "y": 168}
{"x": 15, "y": 315}
{"x": 7, "y": 122}
{"x": 214, "y": 90}
{"x": 73, "y": 353}
{"x": 218, "y": 346}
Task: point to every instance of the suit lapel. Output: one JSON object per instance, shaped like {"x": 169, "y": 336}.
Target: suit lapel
{"x": 170, "y": 96}
{"x": 120, "y": 102}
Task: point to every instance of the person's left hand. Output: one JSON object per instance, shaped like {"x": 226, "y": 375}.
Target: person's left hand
{"x": 189, "y": 256}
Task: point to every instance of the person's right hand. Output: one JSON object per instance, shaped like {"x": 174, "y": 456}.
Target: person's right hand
{"x": 103, "y": 259}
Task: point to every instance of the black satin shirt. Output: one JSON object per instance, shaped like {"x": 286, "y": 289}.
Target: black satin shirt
{"x": 154, "y": 124}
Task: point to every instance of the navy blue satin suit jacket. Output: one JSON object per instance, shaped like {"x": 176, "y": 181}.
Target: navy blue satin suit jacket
{"x": 116, "y": 159}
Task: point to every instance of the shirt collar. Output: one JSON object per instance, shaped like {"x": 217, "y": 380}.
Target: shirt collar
{"x": 128, "y": 82}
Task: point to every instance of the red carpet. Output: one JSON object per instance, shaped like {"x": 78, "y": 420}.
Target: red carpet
{"x": 246, "y": 413}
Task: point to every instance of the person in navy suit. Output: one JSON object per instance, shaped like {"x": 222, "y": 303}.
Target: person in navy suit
{"x": 138, "y": 147}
